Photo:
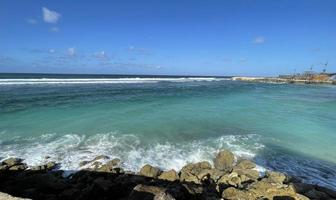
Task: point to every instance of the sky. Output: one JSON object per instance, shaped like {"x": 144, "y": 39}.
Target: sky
{"x": 171, "y": 37}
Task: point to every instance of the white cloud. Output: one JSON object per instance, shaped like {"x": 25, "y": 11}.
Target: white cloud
{"x": 51, "y": 50}
{"x": 50, "y": 16}
{"x": 72, "y": 51}
{"x": 54, "y": 29}
{"x": 259, "y": 40}
{"x": 101, "y": 54}
{"x": 31, "y": 21}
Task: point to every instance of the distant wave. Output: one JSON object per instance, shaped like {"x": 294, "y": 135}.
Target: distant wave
{"x": 103, "y": 80}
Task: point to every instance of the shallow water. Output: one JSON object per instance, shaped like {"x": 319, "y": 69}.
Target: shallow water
{"x": 170, "y": 121}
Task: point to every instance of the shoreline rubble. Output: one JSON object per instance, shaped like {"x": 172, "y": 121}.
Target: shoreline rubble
{"x": 226, "y": 179}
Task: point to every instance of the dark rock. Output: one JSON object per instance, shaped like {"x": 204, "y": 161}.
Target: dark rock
{"x": 163, "y": 196}
{"x": 150, "y": 171}
{"x": 224, "y": 161}
{"x": 144, "y": 192}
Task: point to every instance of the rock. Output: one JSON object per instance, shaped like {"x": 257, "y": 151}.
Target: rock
{"x": 101, "y": 157}
{"x": 224, "y": 161}
{"x": 4, "y": 196}
{"x": 12, "y": 161}
{"x": 144, "y": 192}
{"x": 232, "y": 193}
{"x": 19, "y": 167}
{"x": 247, "y": 174}
{"x": 231, "y": 179}
{"x": 50, "y": 165}
{"x": 83, "y": 163}
{"x": 170, "y": 175}
{"x": 3, "y": 167}
{"x": 190, "y": 172}
{"x": 163, "y": 196}
{"x": 275, "y": 177}
{"x": 150, "y": 171}
{"x": 245, "y": 164}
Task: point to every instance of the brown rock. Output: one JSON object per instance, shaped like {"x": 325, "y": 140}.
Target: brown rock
{"x": 150, "y": 171}
{"x": 232, "y": 193}
{"x": 275, "y": 177}
{"x": 245, "y": 164}
{"x": 4, "y": 196}
{"x": 163, "y": 196}
{"x": 190, "y": 172}
{"x": 12, "y": 161}
{"x": 19, "y": 167}
{"x": 224, "y": 160}
{"x": 170, "y": 175}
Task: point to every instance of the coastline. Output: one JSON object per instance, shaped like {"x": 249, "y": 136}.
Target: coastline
{"x": 281, "y": 80}
{"x": 228, "y": 178}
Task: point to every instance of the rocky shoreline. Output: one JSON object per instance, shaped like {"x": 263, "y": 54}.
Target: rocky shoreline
{"x": 228, "y": 178}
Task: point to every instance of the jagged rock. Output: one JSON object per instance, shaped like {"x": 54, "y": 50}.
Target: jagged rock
{"x": 190, "y": 172}
{"x": 4, "y": 196}
{"x": 100, "y": 157}
{"x": 3, "y": 167}
{"x": 150, "y": 171}
{"x": 213, "y": 174}
{"x": 275, "y": 177}
{"x": 247, "y": 174}
{"x": 231, "y": 179}
{"x": 83, "y": 163}
{"x": 46, "y": 167}
{"x": 245, "y": 164}
{"x": 12, "y": 161}
{"x": 163, "y": 196}
{"x": 232, "y": 193}
{"x": 144, "y": 192}
{"x": 19, "y": 167}
{"x": 170, "y": 175}
{"x": 224, "y": 161}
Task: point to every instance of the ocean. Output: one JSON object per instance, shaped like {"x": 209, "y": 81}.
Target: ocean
{"x": 168, "y": 121}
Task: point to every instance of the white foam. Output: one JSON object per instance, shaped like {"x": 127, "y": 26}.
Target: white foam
{"x": 102, "y": 80}
{"x": 70, "y": 149}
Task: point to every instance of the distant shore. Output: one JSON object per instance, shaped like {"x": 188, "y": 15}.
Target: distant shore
{"x": 228, "y": 178}
{"x": 281, "y": 80}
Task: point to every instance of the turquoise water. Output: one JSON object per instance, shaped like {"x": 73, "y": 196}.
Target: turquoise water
{"x": 170, "y": 121}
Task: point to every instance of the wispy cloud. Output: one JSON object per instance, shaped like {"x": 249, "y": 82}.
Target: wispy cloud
{"x": 71, "y": 51}
{"x": 50, "y": 16}
{"x": 54, "y": 29}
{"x": 258, "y": 40}
{"x": 243, "y": 60}
{"x": 31, "y": 21}
{"x": 140, "y": 51}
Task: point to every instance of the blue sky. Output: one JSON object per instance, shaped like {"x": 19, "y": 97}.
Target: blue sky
{"x": 167, "y": 37}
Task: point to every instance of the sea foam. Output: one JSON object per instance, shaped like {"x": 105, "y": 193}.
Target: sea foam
{"x": 102, "y": 80}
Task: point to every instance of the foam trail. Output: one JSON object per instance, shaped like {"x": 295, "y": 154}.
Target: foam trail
{"x": 103, "y": 80}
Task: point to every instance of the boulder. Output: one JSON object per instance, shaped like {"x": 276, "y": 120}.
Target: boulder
{"x": 275, "y": 177}
{"x": 12, "y": 161}
{"x": 150, "y": 171}
{"x": 247, "y": 174}
{"x": 224, "y": 161}
{"x": 170, "y": 175}
{"x": 144, "y": 192}
{"x": 245, "y": 164}
{"x": 163, "y": 196}
{"x": 190, "y": 172}
{"x": 213, "y": 174}
{"x": 100, "y": 157}
{"x": 19, "y": 167}
{"x": 232, "y": 193}
{"x": 4, "y": 196}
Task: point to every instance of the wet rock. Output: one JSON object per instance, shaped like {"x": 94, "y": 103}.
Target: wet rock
{"x": 12, "y": 161}
{"x": 83, "y": 163}
{"x": 144, "y": 192}
{"x": 150, "y": 171}
{"x": 275, "y": 177}
{"x": 190, "y": 172}
{"x": 170, "y": 175}
{"x": 46, "y": 167}
{"x": 224, "y": 161}
{"x": 245, "y": 164}
{"x": 19, "y": 167}
{"x": 100, "y": 157}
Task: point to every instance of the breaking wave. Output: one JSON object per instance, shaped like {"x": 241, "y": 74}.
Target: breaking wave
{"x": 102, "y": 80}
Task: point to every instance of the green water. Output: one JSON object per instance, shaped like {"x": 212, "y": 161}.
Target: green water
{"x": 291, "y": 128}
